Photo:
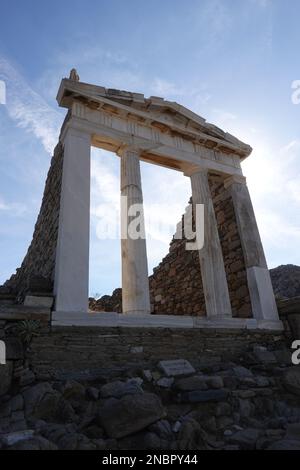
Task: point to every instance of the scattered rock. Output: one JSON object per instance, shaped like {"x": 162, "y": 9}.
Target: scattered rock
{"x": 176, "y": 367}
{"x": 92, "y": 393}
{"x": 215, "y": 382}
{"x": 262, "y": 381}
{"x": 130, "y": 414}
{"x": 188, "y": 384}
{"x": 165, "y": 382}
{"x": 191, "y": 436}
{"x": 163, "y": 429}
{"x": 242, "y": 372}
{"x": 291, "y": 380}
{"x": 264, "y": 356}
{"x": 34, "y": 443}
{"x": 17, "y": 403}
{"x": 119, "y": 389}
{"x": 14, "y": 437}
{"x": 147, "y": 375}
{"x": 246, "y": 439}
{"x": 198, "y": 396}
{"x": 285, "y": 444}
{"x": 223, "y": 409}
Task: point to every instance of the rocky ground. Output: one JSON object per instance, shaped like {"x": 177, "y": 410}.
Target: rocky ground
{"x": 286, "y": 281}
{"x": 250, "y": 404}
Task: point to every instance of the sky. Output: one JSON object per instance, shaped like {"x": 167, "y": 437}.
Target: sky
{"x": 233, "y": 62}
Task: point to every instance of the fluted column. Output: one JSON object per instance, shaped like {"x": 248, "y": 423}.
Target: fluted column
{"x": 259, "y": 282}
{"x": 135, "y": 283}
{"x": 71, "y": 280}
{"x": 211, "y": 258}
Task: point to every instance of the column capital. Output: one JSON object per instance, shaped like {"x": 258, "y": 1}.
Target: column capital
{"x": 239, "y": 179}
{"x": 124, "y": 148}
{"x": 192, "y": 170}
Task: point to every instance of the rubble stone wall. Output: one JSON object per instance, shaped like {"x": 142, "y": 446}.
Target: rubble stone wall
{"x": 39, "y": 261}
{"x": 176, "y": 286}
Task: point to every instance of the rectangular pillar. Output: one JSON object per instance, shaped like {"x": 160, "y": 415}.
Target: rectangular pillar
{"x": 135, "y": 283}
{"x": 211, "y": 258}
{"x": 260, "y": 287}
{"x": 71, "y": 281}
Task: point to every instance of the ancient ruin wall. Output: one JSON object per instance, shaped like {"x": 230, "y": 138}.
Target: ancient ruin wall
{"x": 176, "y": 286}
{"x": 38, "y": 265}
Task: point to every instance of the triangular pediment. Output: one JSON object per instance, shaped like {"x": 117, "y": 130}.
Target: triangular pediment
{"x": 165, "y": 114}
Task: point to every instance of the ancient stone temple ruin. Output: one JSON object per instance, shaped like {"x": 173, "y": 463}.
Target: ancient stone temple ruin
{"x": 226, "y": 283}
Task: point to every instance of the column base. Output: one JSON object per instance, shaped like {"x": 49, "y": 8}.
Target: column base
{"x": 137, "y": 312}
{"x": 263, "y": 302}
{"x": 113, "y": 319}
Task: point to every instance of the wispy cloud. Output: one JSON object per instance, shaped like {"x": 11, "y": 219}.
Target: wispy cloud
{"x": 223, "y": 118}
{"x": 28, "y": 108}
{"x": 14, "y": 208}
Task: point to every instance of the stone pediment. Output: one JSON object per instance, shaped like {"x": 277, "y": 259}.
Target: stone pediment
{"x": 167, "y": 116}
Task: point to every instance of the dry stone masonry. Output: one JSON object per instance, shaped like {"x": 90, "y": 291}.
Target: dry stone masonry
{"x": 36, "y": 273}
{"x": 139, "y": 388}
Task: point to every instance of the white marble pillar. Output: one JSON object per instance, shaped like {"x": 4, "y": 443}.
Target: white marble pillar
{"x": 211, "y": 258}
{"x": 259, "y": 282}
{"x": 135, "y": 283}
{"x": 72, "y": 255}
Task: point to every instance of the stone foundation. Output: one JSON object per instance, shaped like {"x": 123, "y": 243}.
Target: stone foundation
{"x": 106, "y": 389}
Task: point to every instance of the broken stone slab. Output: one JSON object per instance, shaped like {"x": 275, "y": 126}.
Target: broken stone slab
{"x": 118, "y": 389}
{"x": 176, "y": 367}
{"x": 165, "y": 382}
{"x": 199, "y": 396}
{"x": 130, "y": 414}
{"x": 38, "y": 301}
{"x": 14, "y": 437}
{"x": 188, "y": 384}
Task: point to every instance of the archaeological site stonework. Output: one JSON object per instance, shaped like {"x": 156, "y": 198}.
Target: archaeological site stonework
{"x": 225, "y": 282}
{"x": 176, "y": 285}
{"x": 36, "y": 273}
{"x": 191, "y": 357}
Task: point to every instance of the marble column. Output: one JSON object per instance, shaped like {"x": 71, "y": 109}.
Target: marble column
{"x": 71, "y": 280}
{"x": 135, "y": 283}
{"x": 259, "y": 282}
{"x": 211, "y": 258}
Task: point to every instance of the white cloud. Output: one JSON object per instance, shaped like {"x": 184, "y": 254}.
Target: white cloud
{"x": 14, "y": 208}
{"x": 223, "y": 118}
{"x": 165, "y": 88}
{"x": 28, "y": 108}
